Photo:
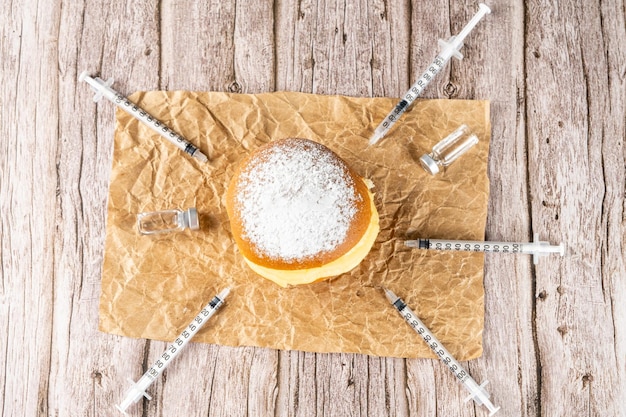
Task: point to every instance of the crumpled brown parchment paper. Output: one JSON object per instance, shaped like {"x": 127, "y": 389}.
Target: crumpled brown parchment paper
{"x": 153, "y": 286}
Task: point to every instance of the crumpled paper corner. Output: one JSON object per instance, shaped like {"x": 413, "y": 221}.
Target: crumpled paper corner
{"x": 153, "y": 286}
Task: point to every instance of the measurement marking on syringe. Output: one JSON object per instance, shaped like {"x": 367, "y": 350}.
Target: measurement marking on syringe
{"x": 138, "y": 389}
{"x": 477, "y": 392}
{"x": 510, "y": 248}
{"x": 536, "y": 248}
{"x": 450, "y": 48}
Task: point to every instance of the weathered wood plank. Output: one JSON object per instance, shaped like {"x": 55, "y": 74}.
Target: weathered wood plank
{"x": 28, "y": 126}
{"x": 390, "y": 31}
{"x": 112, "y": 41}
{"x": 197, "y": 45}
{"x": 294, "y": 55}
{"x": 246, "y": 382}
{"x": 573, "y": 194}
{"x": 255, "y": 46}
{"x": 351, "y": 48}
{"x": 297, "y": 389}
{"x": 341, "y": 48}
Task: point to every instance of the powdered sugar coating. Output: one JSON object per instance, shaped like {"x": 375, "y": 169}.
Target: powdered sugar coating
{"x": 296, "y": 201}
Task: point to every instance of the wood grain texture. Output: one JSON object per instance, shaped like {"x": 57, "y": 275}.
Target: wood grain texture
{"x": 555, "y": 333}
{"x": 572, "y": 197}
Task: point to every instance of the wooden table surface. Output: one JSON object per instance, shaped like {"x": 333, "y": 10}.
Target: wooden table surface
{"x": 555, "y": 72}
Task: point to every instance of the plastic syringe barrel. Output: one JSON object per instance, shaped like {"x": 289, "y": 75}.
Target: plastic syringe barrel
{"x": 138, "y": 389}
{"x": 409, "y": 97}
{"x": 103, "y": 89}
{"x": 536, "y": 248}
{"x": 477, "y": 392}
{"x": 449, "y": 49}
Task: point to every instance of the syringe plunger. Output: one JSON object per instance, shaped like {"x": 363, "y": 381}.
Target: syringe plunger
{"x": 452, "y": 46}
{"x": 540, "y": 248}
{"x": 480, "y": 395}
{"x": 134, "y": 393}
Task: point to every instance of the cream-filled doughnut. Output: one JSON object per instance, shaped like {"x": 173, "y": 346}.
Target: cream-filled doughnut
{"x": 298, "y": 213}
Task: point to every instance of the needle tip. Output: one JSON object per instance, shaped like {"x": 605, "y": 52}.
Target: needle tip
{"x": 200, "y": 156}
{"x": 375, "y": 138}
{"x": 390, "y": 295}
{"x": 222, "y": 295}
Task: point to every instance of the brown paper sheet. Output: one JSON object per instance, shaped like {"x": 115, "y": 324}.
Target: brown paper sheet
{"x": 153, "y": 286}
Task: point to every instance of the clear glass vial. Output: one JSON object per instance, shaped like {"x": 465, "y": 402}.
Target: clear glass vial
{"x": 448, "y": 150}
{"x": 165, "y": 221}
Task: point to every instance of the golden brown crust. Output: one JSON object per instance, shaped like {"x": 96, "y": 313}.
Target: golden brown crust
{"x": 358, "y": 223}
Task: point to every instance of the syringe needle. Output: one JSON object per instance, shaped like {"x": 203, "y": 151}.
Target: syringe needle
{"x": 103, "y": 89}
{"x": 477, "y": 392}
{"x": 138, "y": 389}
{"x": 450, "y": 48}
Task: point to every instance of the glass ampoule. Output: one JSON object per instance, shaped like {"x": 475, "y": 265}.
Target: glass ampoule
{"x": 166, "y": 221}
{"x": 448, "y": 150}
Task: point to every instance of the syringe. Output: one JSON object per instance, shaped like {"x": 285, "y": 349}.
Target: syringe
{"x": 103, "y": 89}
{"x": 477, "y": 392}
{"x": 138, "y": 389}
{"x": 537, "y": 248}
{"x": 450, "y": 48}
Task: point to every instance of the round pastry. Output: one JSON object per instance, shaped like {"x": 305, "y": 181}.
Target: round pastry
{"x": 298, "y": 213}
